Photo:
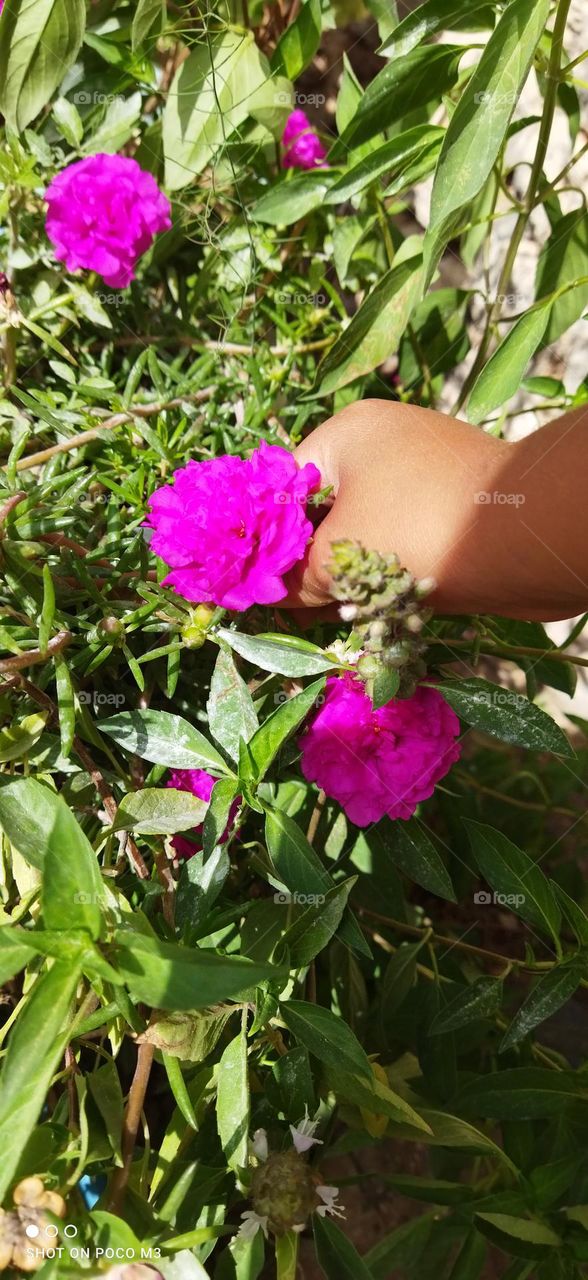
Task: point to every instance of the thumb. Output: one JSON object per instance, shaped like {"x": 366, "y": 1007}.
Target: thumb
{"x": 309, "y": 583}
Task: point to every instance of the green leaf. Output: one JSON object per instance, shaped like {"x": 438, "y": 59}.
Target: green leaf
{"x": 218, "y": 813}
{"x": 431, "y": 1190}
{"x": 299, "y": 867}
{"x": 122, "y": 114}
{"x": 68, "y": 121}
{"x": 522, "y": 1093}
{"x": 479, "y": 123}
{"x": 104, "y": 1086}
{"x": 521, "y": 1236}
{"x": 147, "y": 14}
{"x": 562, "y": 261}
{"x": 515, "y": 876}
{"x": 286, "y": 1247}
{"x": 14, "y": 954}
{"x": 504, "y": 714}
{"x": 315, "y": 927}
{"x": 167, "y": 976}
{"x": 326, "y": 1036}
{"x": 438, "y": 323}
{"x": 231, "y": 714}
{"x": 292, "y": 198}
{"x": 576, "y": 917}
{"x": 273, "y": 733}
{"x": 65, "y": 704}
{"x": 392, "y": 157}
{"x": 376, "y": 329}
{"x": 454, "y": 1132}
{"x": 35, "y": 1048}
{"x": 348, "y": 97}
{"x": 502, "y": 375}
{"x": 44, "y": 830}
{"x": 232, "y": 1102}
{"x": 296, "y": 862}
{"x": 17, "y": 740}
{"x": 427, "y": 20}
{"x": 470, "y": 1260}
{"x": 159, "y": 811}
{"x": 551, "y": 992}
{"x": 400, "y": 1248}
{"x": 376, "y": 1097}
{"x": 278, "y": 654}
{"x": 481, "y": 1000}
{"x": 211, "y": 95}
{"x": 163, "y": 738}
{"x": 413, "y": 852}
{"x": 39, "y": 41}
{"x": 177, "y": 1085}
{"x": 337, "y": 1256}
{"x": 403, "y": 85}
{"x": 399, "y": 978}
{"x": 299, "y": 42}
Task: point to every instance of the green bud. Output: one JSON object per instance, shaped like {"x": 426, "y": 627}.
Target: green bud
{"x": 109, "y": 630}
{"x": 194, "y": 632}
{"x": 193, "y": 636}
{"x": 368, "y": 666}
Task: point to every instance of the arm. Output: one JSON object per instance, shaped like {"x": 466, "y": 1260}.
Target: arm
{"x": 499, "y": 526}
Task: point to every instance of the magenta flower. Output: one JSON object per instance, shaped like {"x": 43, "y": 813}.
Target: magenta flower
{"x": 378, "y": 762}
{"x": 103, "y": 214}
{"x": 230, "y": 528}
{"x": 303, "y": 148}
{"x": 199, "y": 783}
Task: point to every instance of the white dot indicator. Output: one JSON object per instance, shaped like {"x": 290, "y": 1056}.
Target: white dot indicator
{"x": 70, "y": 1229}
{"x": 32, "y": 1230}
{"x": 51, "y": 1230}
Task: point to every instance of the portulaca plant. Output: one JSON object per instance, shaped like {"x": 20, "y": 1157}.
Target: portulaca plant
{"x": 283, "y": 908}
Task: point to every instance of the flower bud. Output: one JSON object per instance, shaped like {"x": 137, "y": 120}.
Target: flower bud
{"x": 283, "y": 1190}
{"x": 368, "y": 666}
{"x": 109, "y": 630}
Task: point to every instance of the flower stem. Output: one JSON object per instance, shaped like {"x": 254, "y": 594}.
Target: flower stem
{"x": 549, "y": 105}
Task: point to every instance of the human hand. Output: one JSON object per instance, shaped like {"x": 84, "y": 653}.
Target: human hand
{"x": 495, "y": 524}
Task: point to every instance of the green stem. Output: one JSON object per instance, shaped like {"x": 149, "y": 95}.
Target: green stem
{"x": 513, "y": 651}
{"x": 552, "y": 77}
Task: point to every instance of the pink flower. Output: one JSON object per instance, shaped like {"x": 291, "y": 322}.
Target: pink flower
{"x": 104, "y": 213}
{"x": 230, "y": 528}
{"x": 303, "y": 148}
{"x": 199, "y": 783}
{"x": 378, "y": 762}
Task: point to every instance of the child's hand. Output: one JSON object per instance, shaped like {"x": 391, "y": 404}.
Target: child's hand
{"x": 497, "y": 525}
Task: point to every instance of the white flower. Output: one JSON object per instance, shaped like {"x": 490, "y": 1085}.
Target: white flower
{"x": 302, "y": 1134}
{"x": 342, "y": 650}
{"x": 328, "y": 1195}
{"x": 250, "y": 1225}
{"x": 259, "y": 1145}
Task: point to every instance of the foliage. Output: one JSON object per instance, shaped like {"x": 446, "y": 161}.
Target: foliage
{"x": 392, "y": 981}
